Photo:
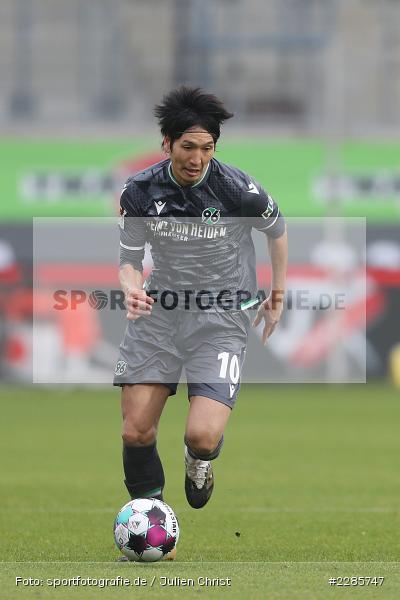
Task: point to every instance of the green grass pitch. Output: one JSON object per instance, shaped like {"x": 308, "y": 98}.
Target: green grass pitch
{"x": 308, "y": 477}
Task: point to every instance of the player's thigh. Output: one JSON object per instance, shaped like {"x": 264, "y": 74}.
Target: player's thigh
{"x": 142, "y": 405}
{"x": 206, "y": 421}
{"x": 148, "y": 352}
{"x": 216, "y": 356}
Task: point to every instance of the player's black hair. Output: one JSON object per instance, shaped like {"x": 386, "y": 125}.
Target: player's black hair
{"x": 187, "y": 106}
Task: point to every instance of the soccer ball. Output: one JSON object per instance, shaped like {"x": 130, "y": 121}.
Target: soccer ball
{"x": 146, "y": 529}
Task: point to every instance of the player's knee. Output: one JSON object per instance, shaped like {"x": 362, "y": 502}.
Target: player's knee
{"x": 202, "y": 442}
{"x": 138, "y": 436}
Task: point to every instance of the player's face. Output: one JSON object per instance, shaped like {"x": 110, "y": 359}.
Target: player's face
{"x": 190, "y": 155}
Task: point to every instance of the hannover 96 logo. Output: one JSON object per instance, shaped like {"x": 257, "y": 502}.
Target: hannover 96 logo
{"x": 210, "y": 215}
{"x": 120, "y": 367}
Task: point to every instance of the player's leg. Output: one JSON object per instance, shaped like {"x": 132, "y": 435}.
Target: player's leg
{"x": 147, "y": 354}
{"x": 205, "y": 427}
{"x": 142, "y": 405}
{"x": 213, "y": 372}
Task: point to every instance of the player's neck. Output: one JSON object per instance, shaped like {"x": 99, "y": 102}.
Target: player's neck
{"x": 186, "y": 185}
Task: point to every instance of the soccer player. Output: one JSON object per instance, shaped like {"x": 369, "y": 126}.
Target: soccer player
{"x": 197, "y": 214}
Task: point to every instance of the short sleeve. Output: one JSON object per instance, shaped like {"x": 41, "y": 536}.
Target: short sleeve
{"x": 264, "y": 212}
{"x": 131, "y": 227}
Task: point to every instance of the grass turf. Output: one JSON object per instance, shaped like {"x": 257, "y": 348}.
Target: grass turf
{"x": 307, "y": 488}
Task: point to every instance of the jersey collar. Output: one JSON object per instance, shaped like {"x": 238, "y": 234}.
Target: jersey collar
{"x": 206, "y": 172}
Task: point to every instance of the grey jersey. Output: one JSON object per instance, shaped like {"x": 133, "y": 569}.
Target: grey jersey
{"x": 200, "y": 236}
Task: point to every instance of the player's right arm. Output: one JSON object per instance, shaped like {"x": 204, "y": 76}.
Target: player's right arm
{"x": 132, "y": 243}
{"x": 138, "y": 303}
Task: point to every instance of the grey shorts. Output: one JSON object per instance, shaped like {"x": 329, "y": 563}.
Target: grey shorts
{"x": 209, "y": 346}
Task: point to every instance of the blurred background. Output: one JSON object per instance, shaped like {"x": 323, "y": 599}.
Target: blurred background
{"x": 315, "y": 87}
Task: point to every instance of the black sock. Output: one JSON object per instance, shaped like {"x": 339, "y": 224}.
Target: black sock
{"x": 210, "y": 456}
{"x": 144, "y": 474}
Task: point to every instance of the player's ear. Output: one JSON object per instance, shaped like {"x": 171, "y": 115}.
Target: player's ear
{"x": 167, "y": 145}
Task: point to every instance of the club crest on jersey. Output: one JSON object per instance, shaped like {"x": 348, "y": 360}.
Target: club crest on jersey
{"x": 210, "y": 215}
{"x": 270, "y": 208}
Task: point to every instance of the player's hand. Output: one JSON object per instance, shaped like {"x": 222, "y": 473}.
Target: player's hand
{"x": 271, "y": 311}
{"x": 138, "y": 304}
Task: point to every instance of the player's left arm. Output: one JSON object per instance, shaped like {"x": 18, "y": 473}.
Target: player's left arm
{"x": 271, "y": 309}
{"x": 267, "y": 217}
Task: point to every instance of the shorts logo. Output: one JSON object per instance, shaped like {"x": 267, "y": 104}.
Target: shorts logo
{"x": 120, "y": 367}
{"x": 210, "y": 215}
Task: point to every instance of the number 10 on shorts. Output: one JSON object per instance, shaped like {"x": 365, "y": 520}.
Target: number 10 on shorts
{"x": 231, "y": 362}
